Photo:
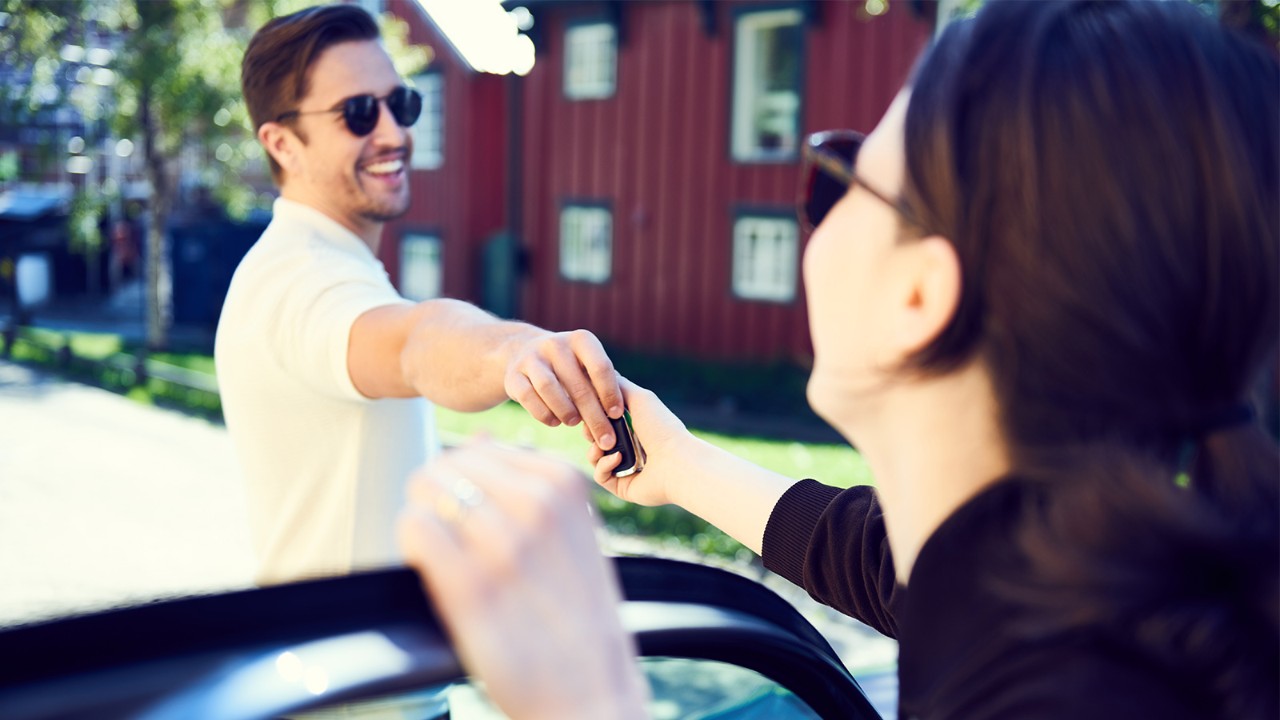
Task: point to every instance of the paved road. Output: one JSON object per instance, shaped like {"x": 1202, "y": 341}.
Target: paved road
{"x": 106, "y": 501}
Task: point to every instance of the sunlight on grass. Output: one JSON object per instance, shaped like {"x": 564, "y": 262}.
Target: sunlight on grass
{"x": 838, "y": 465}
{"x": 95, "y": 346}
{"x": 190, "y": 361}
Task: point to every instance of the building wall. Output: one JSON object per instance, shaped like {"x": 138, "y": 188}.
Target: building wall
{"x": 657, "y": 153}
{"x": 463, "y": 201}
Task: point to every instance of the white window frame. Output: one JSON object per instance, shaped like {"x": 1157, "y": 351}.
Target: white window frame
{"x": 428, "y": 132}
{"x": 420, "y": 279}
{"x": 753, "y": 104}
{"x": 586, "y": 242}
{"x": 590, "y": 61}
{"x": 766, "y": 252}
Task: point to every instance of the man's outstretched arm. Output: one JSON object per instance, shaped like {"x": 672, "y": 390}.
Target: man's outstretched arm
{"x": 463, "y": 358}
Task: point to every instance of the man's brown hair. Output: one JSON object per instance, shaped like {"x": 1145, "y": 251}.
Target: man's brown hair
{"x": 274, "y": 74}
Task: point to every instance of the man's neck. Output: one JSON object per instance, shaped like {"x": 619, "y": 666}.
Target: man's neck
{"x": 368, "y": 231}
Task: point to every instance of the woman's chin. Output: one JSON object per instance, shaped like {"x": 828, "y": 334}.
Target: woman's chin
{"x": 828, "y": 399}
{"x": 844, "y": 404}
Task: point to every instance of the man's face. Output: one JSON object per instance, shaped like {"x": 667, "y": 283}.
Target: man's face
{"x": 359, "y": 181}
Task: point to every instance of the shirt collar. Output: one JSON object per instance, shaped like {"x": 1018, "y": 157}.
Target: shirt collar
{"x": 326, "y": 227}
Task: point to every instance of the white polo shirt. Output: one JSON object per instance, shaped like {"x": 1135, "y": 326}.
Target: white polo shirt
{"x": 324, "y": 466}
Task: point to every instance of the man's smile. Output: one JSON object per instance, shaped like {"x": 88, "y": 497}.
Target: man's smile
{"x": 385, "y": 167}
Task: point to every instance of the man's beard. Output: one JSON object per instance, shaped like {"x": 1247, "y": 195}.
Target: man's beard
{"x": 384, "y": 210}
{"x": 385, "y": 214}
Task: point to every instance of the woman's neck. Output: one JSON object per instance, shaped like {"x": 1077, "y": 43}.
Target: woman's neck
{"x": 935, "y": 443}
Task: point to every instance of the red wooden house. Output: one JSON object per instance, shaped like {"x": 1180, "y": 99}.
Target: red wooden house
{"x": 647, "y": 167}
{"x": 458, "y": 170}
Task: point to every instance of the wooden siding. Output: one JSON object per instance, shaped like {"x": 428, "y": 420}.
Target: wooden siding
{"x": 464, "y": 200}
{"x": 657, "y": 152}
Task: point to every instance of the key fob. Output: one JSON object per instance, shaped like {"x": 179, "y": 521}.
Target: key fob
{"x": 632, "y": 453}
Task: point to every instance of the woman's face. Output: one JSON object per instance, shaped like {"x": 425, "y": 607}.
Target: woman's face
{"x": 853, "y": 280}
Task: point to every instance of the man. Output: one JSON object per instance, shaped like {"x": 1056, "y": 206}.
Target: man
{"x": 327, "y": 374}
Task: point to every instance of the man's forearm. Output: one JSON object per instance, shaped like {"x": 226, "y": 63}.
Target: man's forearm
{"x": 457, "y": 355}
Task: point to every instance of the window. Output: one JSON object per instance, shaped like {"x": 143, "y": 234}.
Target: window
{"x": 428, "y": 132}
{"x": 586, "y": 243}
{"x": 766, "y": 88}
{"x": 764, "y": 258}
{"x": 421, "y": 268}
{"x": 590, "y": 61}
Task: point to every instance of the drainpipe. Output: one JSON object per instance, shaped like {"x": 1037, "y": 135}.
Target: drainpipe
{"x": 515, "y": 188}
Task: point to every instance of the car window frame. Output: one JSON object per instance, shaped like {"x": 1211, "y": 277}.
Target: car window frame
{"x": 188, "y": 654}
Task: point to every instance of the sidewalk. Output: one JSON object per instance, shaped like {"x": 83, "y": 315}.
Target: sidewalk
{"x": 106, "y": 501}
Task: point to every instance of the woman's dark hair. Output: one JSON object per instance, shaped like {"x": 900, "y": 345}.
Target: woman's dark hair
{"x": 274, "y": 75}
{"x": 1109, "y": 174}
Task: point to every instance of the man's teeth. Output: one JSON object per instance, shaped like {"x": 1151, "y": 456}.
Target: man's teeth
{"x": 384, "y": 168}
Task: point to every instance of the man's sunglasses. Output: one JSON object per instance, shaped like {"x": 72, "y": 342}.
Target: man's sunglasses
{"x": 361, "y": 111}
{"x": 827, "y": 174}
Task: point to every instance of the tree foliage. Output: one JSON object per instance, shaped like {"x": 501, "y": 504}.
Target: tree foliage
{"x": 175, "y": 88}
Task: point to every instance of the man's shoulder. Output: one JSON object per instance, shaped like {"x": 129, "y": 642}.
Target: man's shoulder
{"x": 287, "y": 247}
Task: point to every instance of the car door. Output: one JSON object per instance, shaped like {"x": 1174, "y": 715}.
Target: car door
{"x": 712, "y": 644}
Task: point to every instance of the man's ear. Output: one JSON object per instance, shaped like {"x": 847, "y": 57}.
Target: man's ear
{"x": 281, "y": 143}
{"x": 929, "y": 291}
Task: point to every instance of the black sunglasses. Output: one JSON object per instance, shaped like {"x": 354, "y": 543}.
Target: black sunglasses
{"x": 361, "y": 111}
{"x": 827, "y": 174}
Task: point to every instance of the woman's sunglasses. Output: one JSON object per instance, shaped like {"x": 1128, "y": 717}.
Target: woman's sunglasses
{"x": 361, "y": 111}
{"x": 827, "y": 174}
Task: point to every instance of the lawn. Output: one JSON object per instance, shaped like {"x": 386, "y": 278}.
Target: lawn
{"x": 830, "y": 463}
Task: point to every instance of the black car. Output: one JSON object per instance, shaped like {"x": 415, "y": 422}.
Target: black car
{"x": 713, "y": 645}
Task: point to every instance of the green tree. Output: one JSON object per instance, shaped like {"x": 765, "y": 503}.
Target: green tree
{"x": 175, "y": 89}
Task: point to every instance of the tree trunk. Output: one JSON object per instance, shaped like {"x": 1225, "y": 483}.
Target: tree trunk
{"x": 158, "y": 282}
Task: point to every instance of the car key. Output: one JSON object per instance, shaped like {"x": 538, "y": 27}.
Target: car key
{"x": 632, "y": 452}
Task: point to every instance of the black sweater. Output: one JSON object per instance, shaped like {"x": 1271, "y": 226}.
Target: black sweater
{"x": 962, "y": 653}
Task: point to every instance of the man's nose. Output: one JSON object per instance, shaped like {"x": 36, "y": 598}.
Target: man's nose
{"x": 387, "y": 131}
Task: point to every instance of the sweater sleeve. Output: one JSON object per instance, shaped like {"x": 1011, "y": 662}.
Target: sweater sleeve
{"x": 832, "y": 543}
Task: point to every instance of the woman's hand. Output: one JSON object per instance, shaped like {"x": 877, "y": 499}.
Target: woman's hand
{"x": 733, "y": 494}
{"x": 665, "y": 441}
{"x": 506, "y": 546}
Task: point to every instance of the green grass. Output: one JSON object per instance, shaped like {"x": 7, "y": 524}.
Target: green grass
{"x": 190, "y": 361}
{"x": 831, "y": 463}
{"x": 91, "y": 346}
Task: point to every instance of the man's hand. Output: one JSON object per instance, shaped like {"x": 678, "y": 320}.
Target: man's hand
{"x": 566, "y": 378}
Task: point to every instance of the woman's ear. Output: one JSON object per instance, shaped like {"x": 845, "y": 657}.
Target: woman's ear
{"x": 280, "y": 144}
{"x": 929, "y": 293}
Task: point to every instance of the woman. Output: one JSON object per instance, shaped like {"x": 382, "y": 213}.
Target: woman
{"x": 1037, "y": 311}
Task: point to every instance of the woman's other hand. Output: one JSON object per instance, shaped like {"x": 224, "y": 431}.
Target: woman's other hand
{"x": 506, "y": 546}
